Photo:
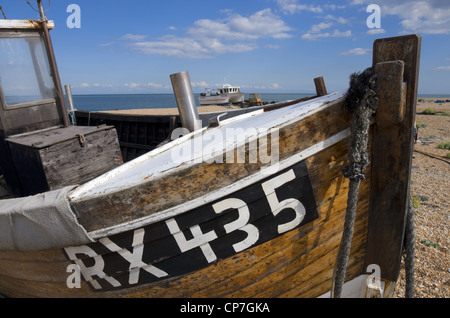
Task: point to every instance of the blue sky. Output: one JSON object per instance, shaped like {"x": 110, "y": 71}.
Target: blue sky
{"x": 266, "y": 46}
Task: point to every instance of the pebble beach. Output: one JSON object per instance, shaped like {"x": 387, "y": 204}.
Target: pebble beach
{"x": 430, "y": 189}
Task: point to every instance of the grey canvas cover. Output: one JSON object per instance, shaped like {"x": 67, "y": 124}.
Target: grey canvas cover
{"x": 40, "y": 222}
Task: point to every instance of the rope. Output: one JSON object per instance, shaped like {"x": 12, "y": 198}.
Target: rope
{"x": 409, "y": 252}
{"x": 3, "y": 12}
{"x": 362, "y": 100}
{"x": 49, "y": 4}
{"x": 431, "y": 156}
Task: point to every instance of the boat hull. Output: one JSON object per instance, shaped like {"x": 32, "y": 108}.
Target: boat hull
{"x": 298, "y": 260}
{"x": 222, "y": 99}
{"x": 251, "y": 229}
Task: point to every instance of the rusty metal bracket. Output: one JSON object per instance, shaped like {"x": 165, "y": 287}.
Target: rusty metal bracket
{"x": 81, "y": 139}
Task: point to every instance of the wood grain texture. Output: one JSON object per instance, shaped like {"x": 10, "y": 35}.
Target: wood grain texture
{"x": 392, "y": 152}
{"x": 296, "y": 264}
{"x": 54, "y": 158}
{"x": 189, "y": 183}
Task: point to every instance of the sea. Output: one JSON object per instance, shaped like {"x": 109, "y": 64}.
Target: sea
{"x": 101, "y": 102}
{"x": 139, "y": 101}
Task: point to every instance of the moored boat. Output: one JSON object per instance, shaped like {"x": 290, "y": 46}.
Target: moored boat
{"x": 225, "y": 95}
{"x": 250, "y": 206}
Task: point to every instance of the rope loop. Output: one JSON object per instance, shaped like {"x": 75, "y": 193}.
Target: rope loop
{"x": 361, "y": 99}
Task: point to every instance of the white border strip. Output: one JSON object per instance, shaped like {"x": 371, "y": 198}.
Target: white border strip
{"x": 171, "y": 212}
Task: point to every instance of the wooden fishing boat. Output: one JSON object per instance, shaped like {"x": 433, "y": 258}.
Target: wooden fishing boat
{"x": 250, "y": 206}
{"x": 224, "y": 95}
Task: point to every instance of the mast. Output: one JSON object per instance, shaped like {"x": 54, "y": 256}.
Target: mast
{"x": 53, "y": 66}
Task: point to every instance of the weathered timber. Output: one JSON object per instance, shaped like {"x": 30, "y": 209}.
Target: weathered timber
{"x": 300, "y": 269}
{"x": 199, "y": 229}
{"x": 24, "y": 24}
{"x": 53, "y": 158}
{"x": 392, "y": 152}
{"x": 192, "y": 182}
{"x": 321, "y": 89}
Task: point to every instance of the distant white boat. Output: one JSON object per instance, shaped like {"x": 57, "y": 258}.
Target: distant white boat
{"x": 227, "y": 94}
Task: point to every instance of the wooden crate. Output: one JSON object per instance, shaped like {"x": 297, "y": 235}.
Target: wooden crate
{"x": 53, "y": 158}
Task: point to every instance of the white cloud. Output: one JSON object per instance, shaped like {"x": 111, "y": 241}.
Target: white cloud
{"x": 133, "y": 37}
{"x": 189, "y": 48}
{"x": 262, "y": 24}
{"x": 376, "y": 31}
{"x": 443, "y": 68}
{"x": 274, "y": 86}
{"x": 321, "y": 26}
{"x": 357, "y": 51}
{"x": 208, "y": 38}
{"x": 131, "y": 86}
{"x": 334, "y": 34}
{"x": 339, "y": 20}
{"x": 417, "y": 16}
{"x": 316, "y": 30}
{"x": 200, "y": 84}
{"x": 292, "y": 6}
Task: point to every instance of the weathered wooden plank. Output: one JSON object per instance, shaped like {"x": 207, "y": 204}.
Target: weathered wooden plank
{"x": 52, "y": 158}
{"x": 392, "y": 154}
{"x": 69, "y": 162}
{"x": 24, "y": 24}
{"x": 187, "y": 184}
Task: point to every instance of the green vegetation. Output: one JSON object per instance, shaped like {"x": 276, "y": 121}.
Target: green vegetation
{"x": 432, "y": 111}
{"x": 420, "y": 125}
{"x": 444, "y": 145}
{"x": 416, "y": 202}
{"x": 429, "y": 111}
{"x": 417, "y": 199}
{"x": 430, "y": 243}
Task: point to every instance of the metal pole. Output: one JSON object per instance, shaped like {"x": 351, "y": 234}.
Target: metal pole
{"x": 53, "y": 66}
{"x": 185, "y": 100}
{"x": 70, "y": 103}
{"x": 69, "y": 98}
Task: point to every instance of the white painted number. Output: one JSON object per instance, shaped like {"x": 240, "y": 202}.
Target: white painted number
{"x": 240, "y": 223}
{"x": 277, "y": 206}
{"x": 135, "y": 258}
{"x": 200, "y": 239}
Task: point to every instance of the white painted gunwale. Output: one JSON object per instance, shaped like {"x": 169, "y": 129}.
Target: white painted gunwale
{"x": 159, "y": 162}
{"x": 278, "y": 118}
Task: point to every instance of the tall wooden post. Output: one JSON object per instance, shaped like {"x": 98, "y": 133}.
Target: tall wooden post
{"x": 54, "y": 68}
{"x": 392, "y": 151}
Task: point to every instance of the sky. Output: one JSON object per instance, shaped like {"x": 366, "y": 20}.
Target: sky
{"x": 263, "y": 46}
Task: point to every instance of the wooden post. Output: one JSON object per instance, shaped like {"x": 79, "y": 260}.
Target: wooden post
{"x": 54, "y": 68}
{"x": 392, "y": 151}
{"x": 320, "y": 86}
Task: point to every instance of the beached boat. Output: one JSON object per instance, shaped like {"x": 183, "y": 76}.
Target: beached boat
{"x": 251, "y": 206}
{"x": 227, "y": 94}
